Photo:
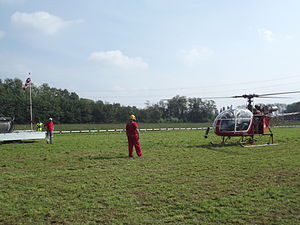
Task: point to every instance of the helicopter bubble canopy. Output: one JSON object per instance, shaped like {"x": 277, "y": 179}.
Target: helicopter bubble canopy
{"x": 233, "y": 120}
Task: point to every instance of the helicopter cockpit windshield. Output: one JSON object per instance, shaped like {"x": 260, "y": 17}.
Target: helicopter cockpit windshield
{"x": 234, "y": 120}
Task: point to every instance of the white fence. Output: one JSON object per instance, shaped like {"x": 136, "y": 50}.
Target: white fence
{"x": 148, "y": 129}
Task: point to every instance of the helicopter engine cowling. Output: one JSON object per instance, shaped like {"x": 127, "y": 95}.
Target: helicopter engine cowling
{"x": 265, "y": 109}
{"x": 272, "y": 108}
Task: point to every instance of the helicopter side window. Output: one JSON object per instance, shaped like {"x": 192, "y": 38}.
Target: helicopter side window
{"x": 227, "y": 125}
{"x": 242, "y": 124}
{"x": 227, "y": 121}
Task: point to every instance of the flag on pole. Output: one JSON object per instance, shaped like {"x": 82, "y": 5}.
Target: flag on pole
{"x": 27, "y": 83}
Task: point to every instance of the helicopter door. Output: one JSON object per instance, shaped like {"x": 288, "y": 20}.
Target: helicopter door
{"x": 227, "y": 125}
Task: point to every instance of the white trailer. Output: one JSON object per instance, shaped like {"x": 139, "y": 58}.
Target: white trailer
{"x": 19, "y": 135}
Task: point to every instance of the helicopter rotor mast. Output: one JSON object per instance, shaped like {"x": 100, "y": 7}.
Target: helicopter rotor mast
{"x": 249, "y": 99}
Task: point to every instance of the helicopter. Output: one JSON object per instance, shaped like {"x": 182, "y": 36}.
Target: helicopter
{"x": 247, "y": 123}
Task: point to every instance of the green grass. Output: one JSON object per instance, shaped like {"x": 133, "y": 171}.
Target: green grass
{"x": 181, "y": 179}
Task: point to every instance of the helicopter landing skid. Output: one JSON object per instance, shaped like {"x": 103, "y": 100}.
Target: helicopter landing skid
{"x": 225, "y": 144}
{"x": 245, "y": 141}
{"x": 250, "y": 142}
{"x": 252, "y": 146}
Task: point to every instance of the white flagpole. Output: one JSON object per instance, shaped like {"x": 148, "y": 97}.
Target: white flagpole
{"x": 30, "y": 100}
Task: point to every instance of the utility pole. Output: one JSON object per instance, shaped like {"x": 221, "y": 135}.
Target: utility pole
{"x": 30, "y": 104}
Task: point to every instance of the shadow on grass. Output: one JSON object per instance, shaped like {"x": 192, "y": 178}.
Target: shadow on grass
{"x": 220, "y": 148}
{"x": 16, "y": 142}
{"x": 104, "y": 157}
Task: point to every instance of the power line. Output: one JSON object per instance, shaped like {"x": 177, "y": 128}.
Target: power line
{"x": 191, "y": 87}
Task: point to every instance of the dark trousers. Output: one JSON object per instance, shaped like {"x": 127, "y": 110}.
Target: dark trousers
{"x": 49, "y": 137}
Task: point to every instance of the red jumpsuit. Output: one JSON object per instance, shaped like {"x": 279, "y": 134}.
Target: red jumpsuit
{"x": 133, "y": 138}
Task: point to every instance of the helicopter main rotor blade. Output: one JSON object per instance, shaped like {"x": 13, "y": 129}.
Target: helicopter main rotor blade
{"x": 237, "y": 96}
{"x": 271, "y": 97}
{"x": 280, "y": 93}
{"x": 250, "y": 96}
{"x": 214, "y": 97}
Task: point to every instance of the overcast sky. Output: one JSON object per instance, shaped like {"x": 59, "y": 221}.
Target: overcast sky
{"x": 133, "y": 51}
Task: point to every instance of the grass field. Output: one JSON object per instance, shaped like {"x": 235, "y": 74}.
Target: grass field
{"x": 181, "y": 179}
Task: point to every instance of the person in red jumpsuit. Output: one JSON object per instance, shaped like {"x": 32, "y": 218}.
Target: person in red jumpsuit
{"x": 133, "y": 136}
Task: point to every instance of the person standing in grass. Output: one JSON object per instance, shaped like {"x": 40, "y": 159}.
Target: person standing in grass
{"x": 39, "y": 126}
{"x": 133, "y": 136}
{"x": 49, "y": 128}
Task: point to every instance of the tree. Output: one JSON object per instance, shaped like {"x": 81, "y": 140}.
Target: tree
{"x": 177, "y": 107}
{"x": 153, "y": 114}
{"x": 295, "y": 107}
{"x": 201, "y": 111}
{"x": 195, "y": 110}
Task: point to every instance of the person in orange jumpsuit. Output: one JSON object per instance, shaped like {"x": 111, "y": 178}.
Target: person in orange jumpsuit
{"x": 133, "y": 136}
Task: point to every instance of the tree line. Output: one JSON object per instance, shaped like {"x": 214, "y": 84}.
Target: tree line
{"x": 294, "y": 107}
{"x": 67, "y": 107}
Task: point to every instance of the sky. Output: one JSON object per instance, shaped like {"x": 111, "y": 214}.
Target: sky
{"x": 137, "y": 51}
